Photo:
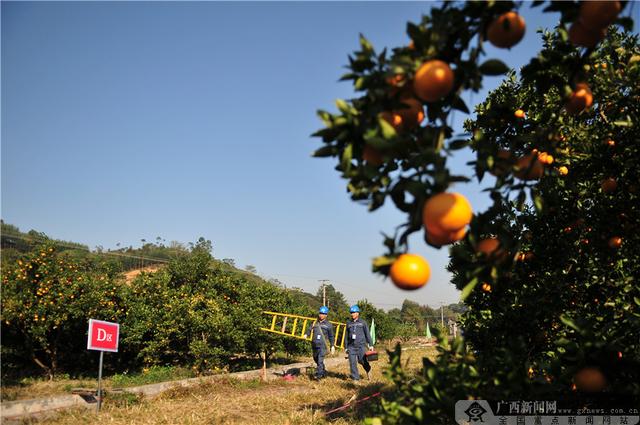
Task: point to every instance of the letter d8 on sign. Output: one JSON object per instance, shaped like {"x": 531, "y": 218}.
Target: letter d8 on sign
{"x": 103, "y": 336}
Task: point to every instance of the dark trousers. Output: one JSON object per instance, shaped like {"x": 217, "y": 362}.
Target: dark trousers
{"x": 318, "y": 357}
{"x": 356, "y": 355}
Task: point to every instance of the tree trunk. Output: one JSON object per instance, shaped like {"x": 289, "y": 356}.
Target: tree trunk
{"x": 47, "y": 369}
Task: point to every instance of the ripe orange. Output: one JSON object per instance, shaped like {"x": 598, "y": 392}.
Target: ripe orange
{"x": 615, "y": 242}
{"x": 580, "y": 99}
{"x": 437, "y": 237}
{"x": 410, "y": 271}
{"x": 392, "y": 118}
{"x": 490, "y": 247}
{"x": 408, "y": 117}
{"x": 372, "y": 156}
{"x": 590, "y": 379}
{"x": 563, "y": 171}
{"x": 529, "y": 167}
{"x": 502, "y": 163}
{"x": 395, "y": 80}
{"x": 519, "y": 114}
{"x": 413, "y": 114}
{"x": 433, "y": 80}
{"x": 486, "y": 287}
{"x": 545, "y": 158}
{"x": 506, "y": 30}
{"x": 599, "y": 14}
{"x": 581, "y": 36}
{"x": 448, "y": 212}
{"x": 611, "y": 143}
{"x": 608, "y": 185}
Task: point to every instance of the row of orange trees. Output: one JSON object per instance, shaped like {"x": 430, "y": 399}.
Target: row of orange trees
{"x": 193, "y": 312}
{"x": 548, "y": 271}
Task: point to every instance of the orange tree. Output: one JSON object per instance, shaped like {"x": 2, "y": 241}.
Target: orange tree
{"x": 559, "y": 143}
{"x": 47, "y": 299}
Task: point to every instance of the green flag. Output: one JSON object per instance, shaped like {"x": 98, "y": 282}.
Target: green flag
{"x": 372, "y": 331}
{"x": 428, "y": 332}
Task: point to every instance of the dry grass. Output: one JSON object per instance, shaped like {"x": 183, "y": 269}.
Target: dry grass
{"x": 301, "y": 401}
{"x": 38, "y": 388}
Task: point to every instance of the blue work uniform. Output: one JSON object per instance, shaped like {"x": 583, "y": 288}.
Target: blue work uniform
{"x": 321, "y": 334}
{"x": 358, "y": 337}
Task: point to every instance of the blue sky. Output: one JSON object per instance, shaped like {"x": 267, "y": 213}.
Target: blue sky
{"x": 123, "y": 121}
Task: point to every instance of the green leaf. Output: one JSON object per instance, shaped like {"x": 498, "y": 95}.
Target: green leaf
{"x": 325, "y": 151}
{"x": 343, "y": 106}
{"x": 347, "y": 155}
{"x": 458, "y": 144}
{"x": 468, "y": 288}
{"x": 405, "y": 410}
{"x": 494, "y": 67}
{"x": 388, "y": 132}
{"x": 459, "y": 104}
{"x": 418, "y": 414}
{"x": 366, "y": 45}
{"x": 568, "y": 322}
{"x": 382, "y": 261}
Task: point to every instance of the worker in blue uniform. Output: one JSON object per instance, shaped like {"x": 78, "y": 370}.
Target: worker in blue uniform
{"x": 322, "y": 336}
{"x": 358, "y": 337}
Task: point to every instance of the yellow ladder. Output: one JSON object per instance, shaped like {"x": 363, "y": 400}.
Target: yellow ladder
{"x": 296, "y": 326}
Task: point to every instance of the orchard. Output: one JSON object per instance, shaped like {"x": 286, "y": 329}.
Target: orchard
{"x": 549, "y": 271}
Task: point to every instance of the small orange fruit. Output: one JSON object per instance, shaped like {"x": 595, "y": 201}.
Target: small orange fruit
{"x": 412, "y": 114}
{"x": 545, "y": 158}
{"x": 486, "y": 287}
{"x": 433, "y": 80}
{"x": 392, "y": 118}
{"x": 506, "y": 30}
{"x": 599, "y": 14}
{"x": 395, "y": 80}
{"x": 408, "y": 117}
{"x": 611, "y": 143}
{"x": 490, "y": 247}
{"x": 563, "y": 171}
{"x": 519, "y": 114}
{"x": 615, "y": 242}
{"x": 448, "y": 212}
{"x": 590, "y": 380}
{"x": 580, "y": 99}
{"x": 372, "y": 156}
{"x": 410, "y": 271}
{"x": 608, "y": 185}
{"x": 529, "y": 167}
{"x": 581, "y": 36}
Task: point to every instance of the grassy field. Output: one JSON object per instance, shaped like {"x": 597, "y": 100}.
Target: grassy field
{"x": 300, "y": 401}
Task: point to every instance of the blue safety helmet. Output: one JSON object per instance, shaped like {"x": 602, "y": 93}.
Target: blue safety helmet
{"x": 354, "y": 309}
{"x": 324, "y": 310}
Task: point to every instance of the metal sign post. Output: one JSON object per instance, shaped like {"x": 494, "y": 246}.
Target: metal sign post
{"x": 100, "y": 382}
{"x": 103, "y": 336}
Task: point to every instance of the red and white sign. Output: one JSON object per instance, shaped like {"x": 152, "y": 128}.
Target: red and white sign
{"x": 103, "y": 336}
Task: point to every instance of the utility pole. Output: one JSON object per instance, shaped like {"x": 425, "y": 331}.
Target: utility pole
{"x": 324, "y": 290}
{"x": 442, "y": 314}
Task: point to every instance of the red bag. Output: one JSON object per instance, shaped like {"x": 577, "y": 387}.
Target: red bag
{"x": 371, "y": 355}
